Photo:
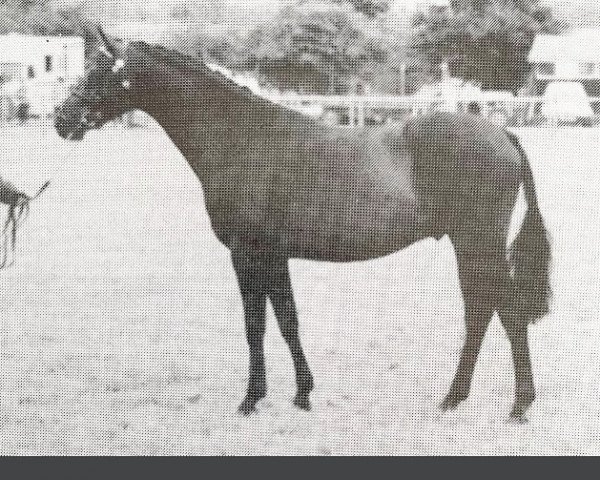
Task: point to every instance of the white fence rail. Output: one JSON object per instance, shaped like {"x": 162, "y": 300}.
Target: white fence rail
{"x": 521, "y": 110}
{"x": 357, "y": 110}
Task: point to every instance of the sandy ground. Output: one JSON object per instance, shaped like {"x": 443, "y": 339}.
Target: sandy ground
{"x": 122, "y": 331}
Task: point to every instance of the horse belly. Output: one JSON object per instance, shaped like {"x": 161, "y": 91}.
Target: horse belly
{"x": 355, "y": 205}
{"x": 360, "y": 231}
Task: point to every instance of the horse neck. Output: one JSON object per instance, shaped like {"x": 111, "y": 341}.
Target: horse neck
{"x": 199, "y": 109}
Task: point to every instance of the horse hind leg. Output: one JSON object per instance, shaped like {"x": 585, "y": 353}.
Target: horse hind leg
{"x": 516, "y": 328}
{"x": 495, "y": 292}
{"x": 478, "y": 270}
{"x": 487, "y": 286}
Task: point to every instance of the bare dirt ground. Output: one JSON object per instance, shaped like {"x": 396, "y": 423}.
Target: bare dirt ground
{"x": 121, "y": 326}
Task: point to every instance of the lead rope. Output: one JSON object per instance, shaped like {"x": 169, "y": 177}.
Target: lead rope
{"x": 18, "y": 212}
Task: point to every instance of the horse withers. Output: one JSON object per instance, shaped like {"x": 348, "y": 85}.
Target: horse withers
{"x": 279, "y": 185}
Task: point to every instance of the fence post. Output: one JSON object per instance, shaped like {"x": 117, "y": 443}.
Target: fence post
{"x": 530, "y": 111}
{"x": 361, "y": 113}
{"x": 485, "y": 109}
{"x": 352, "y": 115}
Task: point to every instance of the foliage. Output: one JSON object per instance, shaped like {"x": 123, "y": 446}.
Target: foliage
{"x": 23, "y": 4}
{"x": 484, "y": 40}
{"x": 323, "y": 51}
{"x": 36, "y": 17}
{"x": 371, "y": 8}
{"x": 207, "y": 11}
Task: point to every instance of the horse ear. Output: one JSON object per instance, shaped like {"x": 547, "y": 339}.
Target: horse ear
{"x": 106, "y": 43}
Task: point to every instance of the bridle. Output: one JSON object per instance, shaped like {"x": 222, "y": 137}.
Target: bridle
{"x": 92, "y": 116}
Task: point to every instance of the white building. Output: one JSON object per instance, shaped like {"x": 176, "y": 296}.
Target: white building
{"x": 573, "y": 56}
{"x": 39, "y": 70}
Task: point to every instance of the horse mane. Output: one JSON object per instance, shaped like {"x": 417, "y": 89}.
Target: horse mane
{"x": 195, "y": 65}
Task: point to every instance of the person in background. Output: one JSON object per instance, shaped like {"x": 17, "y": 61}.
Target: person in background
{"x": 23, "y": 112}
{"x": 474, "y": 108}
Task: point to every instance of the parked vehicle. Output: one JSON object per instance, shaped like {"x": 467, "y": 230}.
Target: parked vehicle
{"x": 566, "y": 102}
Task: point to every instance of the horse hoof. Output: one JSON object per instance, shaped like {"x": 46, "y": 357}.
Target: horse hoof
{"x": 247, "y": 407}
{"x": 302, "y": 402}
{"x": 518, "y": 419}
{"x": 450, "y": 403}
{"x": 517, "y": 416}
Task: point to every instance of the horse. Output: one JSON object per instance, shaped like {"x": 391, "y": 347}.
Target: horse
{"x": 280, "y": 185}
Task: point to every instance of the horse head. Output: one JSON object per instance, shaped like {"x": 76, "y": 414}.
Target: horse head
{"x": 100, "y": 96}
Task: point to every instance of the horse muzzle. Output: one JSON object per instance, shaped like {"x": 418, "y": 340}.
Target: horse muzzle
{"x": 75, "y": 130}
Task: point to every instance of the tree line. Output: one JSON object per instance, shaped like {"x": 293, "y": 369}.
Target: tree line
{"x": 351, "y": 42}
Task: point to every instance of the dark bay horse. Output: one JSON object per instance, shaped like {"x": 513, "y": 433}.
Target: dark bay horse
{"x": 279, "y": 185}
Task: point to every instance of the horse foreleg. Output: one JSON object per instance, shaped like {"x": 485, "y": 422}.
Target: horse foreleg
{"x": 282, "y": 299}
{"x": 251, "y": 276}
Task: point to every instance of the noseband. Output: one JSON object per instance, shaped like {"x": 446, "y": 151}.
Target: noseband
{"x": 91, "y": 115}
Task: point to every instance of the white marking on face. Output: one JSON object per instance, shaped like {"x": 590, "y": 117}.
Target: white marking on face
{"x": 118, "y": 66}
{"x": 106, "y": 52}
{"x": 126, "y": 84}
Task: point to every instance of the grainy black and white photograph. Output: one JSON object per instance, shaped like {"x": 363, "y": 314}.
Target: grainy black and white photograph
{"x": 299, "y": 227}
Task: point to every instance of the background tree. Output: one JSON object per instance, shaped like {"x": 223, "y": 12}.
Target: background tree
{"x": 314, "y": 50}
{"x": 484, "y": 40}
{"x": 371, "y": 8}
{"x": 37, "y": 17}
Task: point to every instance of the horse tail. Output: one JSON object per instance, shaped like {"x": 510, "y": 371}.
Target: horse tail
{"x": 530, "y": 254}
